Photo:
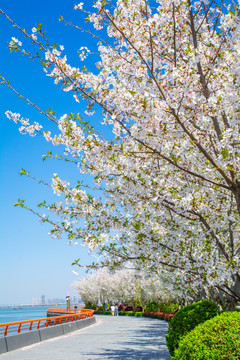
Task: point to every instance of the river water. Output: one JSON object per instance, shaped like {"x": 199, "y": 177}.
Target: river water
{"x": 12, "y": 314}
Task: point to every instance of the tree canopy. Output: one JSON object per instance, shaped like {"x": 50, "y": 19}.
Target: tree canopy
{"x": 167, "y": 82}
{"x": 127, "y": 286}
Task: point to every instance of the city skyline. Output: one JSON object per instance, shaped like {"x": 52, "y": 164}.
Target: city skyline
{"x": 42, "y": 300}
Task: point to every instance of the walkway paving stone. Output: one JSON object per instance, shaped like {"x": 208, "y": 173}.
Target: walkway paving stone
{"x": 111, "y": 338}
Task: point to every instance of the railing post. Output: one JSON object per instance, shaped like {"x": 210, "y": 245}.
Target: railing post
{"x": 19, "y": 328}
{"x": 5, "y": 331}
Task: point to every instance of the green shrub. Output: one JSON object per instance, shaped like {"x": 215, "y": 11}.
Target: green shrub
{"x": 171, "y": 309}
{"x": 215, "y": 339}
{"x": 89, "y": 305}
{"x": 162, "y": 307}
{"x": 102, "y": 312}
{"x": 138, "y": 313}
{"x": 107, "y": 313}
{"x": 151, "y": 307}
{"x": 129, "y": 313}
{"x": 187, "y": 319}
{"x": 126, "y": 313}
{"x": 100, "y": 308}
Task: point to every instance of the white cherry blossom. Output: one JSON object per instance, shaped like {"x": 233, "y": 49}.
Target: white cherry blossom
{"x": 168, "y": 85}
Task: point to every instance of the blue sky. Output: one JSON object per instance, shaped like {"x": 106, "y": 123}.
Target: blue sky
{"x": 32, "y": 263}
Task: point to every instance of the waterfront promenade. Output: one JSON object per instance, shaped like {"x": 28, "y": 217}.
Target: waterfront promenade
{"x": 111, "y": 338}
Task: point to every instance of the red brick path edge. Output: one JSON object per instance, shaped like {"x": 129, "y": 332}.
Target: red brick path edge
{"x": 159, "y": 315}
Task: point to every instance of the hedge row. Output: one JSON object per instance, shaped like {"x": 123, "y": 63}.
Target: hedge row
{"x": 155, "y": 315}
{"x": 215, "y": 339}
{"x": 153, "y": 306}
{"x": 187, "y": 319}
{"x": 150, "y": 307}
{"x": 159, "y": 315}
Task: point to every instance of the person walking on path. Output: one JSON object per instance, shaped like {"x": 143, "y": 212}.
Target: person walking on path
{"x": 116, "y": 310}
{"x": 112, "y": 309}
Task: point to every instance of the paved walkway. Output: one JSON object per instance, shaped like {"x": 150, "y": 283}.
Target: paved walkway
{"x": 111, "y": 338}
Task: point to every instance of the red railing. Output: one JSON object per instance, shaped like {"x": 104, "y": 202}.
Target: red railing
{"x": 64, "y": 310}
{"x": 34, "y": 324}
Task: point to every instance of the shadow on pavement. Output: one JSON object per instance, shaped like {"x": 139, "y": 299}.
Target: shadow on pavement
{"x": 147, "y": 343}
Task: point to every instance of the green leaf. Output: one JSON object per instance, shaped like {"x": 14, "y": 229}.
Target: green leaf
{"x": 39, "y": 26}
{"x": 224, "y": 153}
{"x": 23, "y": 172}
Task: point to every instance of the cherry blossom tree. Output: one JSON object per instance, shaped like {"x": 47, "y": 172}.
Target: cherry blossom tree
{"x": 126, "y": 286}
{"x": 88, "y": 289}
{"x": 104, "y": 287}
{"x": 167, "y": 81}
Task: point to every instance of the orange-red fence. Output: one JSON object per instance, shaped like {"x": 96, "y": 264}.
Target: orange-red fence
{"x": 64, "y": 310}
{"x": 34, "y": 324}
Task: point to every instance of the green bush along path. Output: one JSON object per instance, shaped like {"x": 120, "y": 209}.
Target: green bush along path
{"x": 215, "y": 339}
{"x": 186, "y": 319}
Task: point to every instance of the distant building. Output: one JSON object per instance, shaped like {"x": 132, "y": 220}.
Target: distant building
{"x": 75, "y": 299}
{"x": 56, "y": 301}
{"x": 36, "y": 301}
{"x": 43, "y": 300}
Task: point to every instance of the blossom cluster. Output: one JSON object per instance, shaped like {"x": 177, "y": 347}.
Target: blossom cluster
{"x": 15, "y": 41}
{"x": 26, "y": 127}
